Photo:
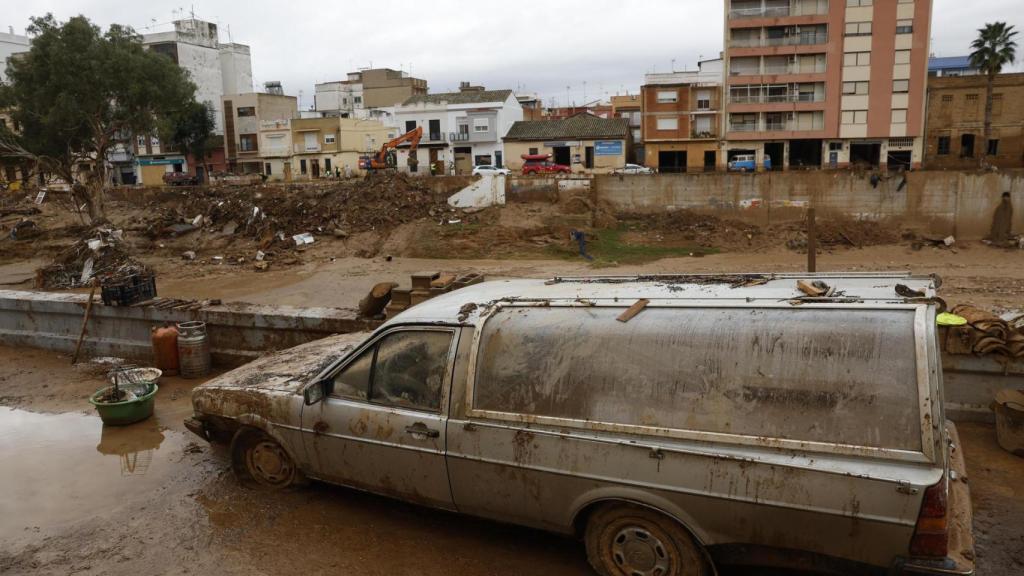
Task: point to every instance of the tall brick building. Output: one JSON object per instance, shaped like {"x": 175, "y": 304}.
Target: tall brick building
{"x": 819, "y": 83}
{"x": 956, "y": 117}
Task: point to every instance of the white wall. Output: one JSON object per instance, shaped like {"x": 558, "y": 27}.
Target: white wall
{"x": 203, "y": 67}
{"x": 10, "y": 44}
{"x": 235, "y": 69}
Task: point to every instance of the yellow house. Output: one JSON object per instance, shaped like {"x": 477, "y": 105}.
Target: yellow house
{"x": 584, "y": 142}
{"x": 325, "y": 146}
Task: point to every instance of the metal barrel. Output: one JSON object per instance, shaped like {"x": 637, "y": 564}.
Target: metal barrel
{"x": 193, "y": 350}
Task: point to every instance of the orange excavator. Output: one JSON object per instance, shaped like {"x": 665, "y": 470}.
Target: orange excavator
{"x": 388, "y": 158}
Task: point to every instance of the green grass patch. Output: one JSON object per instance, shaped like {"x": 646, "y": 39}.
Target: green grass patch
{"x": 608, "y": 249}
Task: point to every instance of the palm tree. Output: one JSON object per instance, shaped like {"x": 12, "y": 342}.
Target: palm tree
{"x": 993, "y": 48}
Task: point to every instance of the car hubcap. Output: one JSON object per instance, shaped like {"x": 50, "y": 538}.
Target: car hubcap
{"x": 268, "y": 464}
{"x": 637, "y": 552}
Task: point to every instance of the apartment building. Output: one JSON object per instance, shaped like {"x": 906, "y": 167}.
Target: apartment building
{"x": 681, "y": 117}
{"x": 11, "y": 44}
{"x": 324, "y": 146}
{"x": 630, "y": 107}
{"x": 460, "y": 129}
{"x": 826, "y": 83}
{"x": 367, "y": 93}
{"x": 253, "y": 122}
{"x": 956, "y": 122}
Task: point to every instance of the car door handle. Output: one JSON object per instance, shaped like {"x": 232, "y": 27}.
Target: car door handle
{"x": 422, "y": 430}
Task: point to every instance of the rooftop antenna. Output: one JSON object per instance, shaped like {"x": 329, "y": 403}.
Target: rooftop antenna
{"x": 673, "y": 64}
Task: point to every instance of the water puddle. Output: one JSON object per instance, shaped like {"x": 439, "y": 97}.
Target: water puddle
{"x": 63, "y": 468}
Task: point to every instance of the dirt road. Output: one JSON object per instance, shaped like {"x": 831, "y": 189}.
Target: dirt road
{"x": 79, "y": 498}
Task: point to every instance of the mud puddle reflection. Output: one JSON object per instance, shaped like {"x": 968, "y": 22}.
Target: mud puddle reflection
{"x": 63, "y": 468}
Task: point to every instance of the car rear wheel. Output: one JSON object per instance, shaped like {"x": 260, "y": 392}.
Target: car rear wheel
{"x": 629, "y": 540}
{"x": 260, "y": 460}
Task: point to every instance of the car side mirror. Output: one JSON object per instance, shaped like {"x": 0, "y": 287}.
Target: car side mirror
{"x": 314, "y": 392}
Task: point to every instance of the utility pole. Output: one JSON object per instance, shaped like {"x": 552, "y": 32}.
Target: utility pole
{"x": 812, "y": 242}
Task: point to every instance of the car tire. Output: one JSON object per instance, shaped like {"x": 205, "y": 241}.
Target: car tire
{"x": 630, "y": 540}
{"x": 260, "y": 461}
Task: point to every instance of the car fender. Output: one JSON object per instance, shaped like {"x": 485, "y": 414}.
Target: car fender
{"x": 641, "y": 497}
{"x": 264, "y": 425}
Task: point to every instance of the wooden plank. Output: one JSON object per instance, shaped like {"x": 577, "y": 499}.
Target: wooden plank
{"x": 633, "y": 310}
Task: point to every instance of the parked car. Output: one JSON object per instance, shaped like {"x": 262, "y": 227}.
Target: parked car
{"x": 180, "y": 179}
{"x": 488, "y": 170}
{"x": 633, "y": 169}
{"x": 544, "y": 167}
{"x": 748, "y": 163}
{"x": 675, "y": 424}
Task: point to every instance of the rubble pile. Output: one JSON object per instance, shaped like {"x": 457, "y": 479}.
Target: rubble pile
{"x": 339, "y": 208}
{"x": 986, "y": 334}
{"x": 103, "y": 253}
{"x": 704, "y": 229}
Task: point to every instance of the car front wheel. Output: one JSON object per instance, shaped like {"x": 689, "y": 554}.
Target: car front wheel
{"x": 259, "y": 459}
{"x": 629, "y": 540}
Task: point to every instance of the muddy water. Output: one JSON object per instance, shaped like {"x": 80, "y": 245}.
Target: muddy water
{"x": 63, "y": 468}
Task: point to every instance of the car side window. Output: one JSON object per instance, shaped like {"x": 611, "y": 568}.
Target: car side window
{"x": 410, "y": 369}
{"x": 354, "y": 381}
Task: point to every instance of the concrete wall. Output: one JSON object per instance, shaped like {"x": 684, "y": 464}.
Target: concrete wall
{"x": 938, "y": 202}
{"x": 237, "y": 333}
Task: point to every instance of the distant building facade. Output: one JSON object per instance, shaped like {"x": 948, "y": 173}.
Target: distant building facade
{"x": 584, "y": 142}
{"x": 460, "y": 129}
{"x": 819, "y": 83}
{"x": 681, "y": 118}
{"x": 367, "y": 93}
{"x": 245, "y": 117}
{"x": 630, "y": 107}
{"x": 215, "y": 68}
{"x": 11, "y": 44}
{"x": 956, "y": 117}
{"x": 324, "y": 146}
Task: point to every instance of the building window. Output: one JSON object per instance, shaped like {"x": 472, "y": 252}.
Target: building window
{"x": 703, "y": 100}
{"x": 302, "y": 166}
{"x": 667, "y": 96}
{"x": 899, "y": 116}
{"x": 855, "y": 3}
{"x": 533, "y": 152}
{"x": 900, "y": 86}
{"x": 358, "y": 100}
{"x": 481, "y": 124}
{"x": 947, "y": 98}
{"x": 327, "y": 166}
{"x": 410, "y": 125}
{"x": 902, "y": 57}
{"x": 246, "y": 111}
{"x": 329, "y": 139}
{"x": 858, "y": 28}
{"x": 668, "y": 123}
{"x": 855, "y": 117}
{"x": 943, "y": 146}
{"x": 266, "y": 168}
{"x": 247, "y": 142}
{"x": 971, "y": 98}
{"x": 967, "y": 145}
{"x": 835, "y": 146}
{"x": 904, "y": 26}
{"x": 993, "y": 147}
{"x": 857, "y": 59}
{"x": 858, "y": 88}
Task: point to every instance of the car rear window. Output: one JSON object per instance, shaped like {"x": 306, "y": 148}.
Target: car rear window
{"x": 833, "y": 376}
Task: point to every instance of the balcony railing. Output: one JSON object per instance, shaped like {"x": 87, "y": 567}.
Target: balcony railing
{"x": 759, "y": 12}
{"x": 775, "y": 98}
{"x": 300, "y": 148}
{"x": 743, "y": 127}
{"x": 458, "y": 136}
{"x": 702, "y": 134}
{"x": 794, "y": 40}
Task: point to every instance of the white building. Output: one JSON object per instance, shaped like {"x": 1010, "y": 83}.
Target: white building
{"x": 216, "y": 69}
{"x": 460, "y": 129}
{"x": 10, "y": 44}
{"x": 344, "y": 98}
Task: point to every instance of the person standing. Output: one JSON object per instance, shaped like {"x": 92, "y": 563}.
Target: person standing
{"x": 1002, "y": 221}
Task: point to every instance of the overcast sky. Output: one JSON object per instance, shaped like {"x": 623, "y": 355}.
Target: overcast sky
{"x": 596, "y": 48}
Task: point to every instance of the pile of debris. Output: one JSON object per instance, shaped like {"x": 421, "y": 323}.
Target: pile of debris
{"x": 836, "y": 232}
{"x": 103, "y": 254}
{"x": 986, "y": 334}
{"x": 703, "y": 229}
{"x": 266, "y": 213}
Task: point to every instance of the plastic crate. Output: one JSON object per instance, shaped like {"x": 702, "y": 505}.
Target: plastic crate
{"x": 127, "y": 291}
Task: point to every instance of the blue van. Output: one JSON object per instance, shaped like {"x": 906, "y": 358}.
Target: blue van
{"x": 747, "y": 163}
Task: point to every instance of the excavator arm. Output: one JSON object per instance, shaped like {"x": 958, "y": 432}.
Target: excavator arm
{"x": 380, "y": 161}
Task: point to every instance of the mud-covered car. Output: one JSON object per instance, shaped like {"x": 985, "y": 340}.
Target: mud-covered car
{"x": 674, "y": 424}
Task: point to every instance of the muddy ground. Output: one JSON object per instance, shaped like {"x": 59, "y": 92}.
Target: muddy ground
{"x": 150, "y": 498}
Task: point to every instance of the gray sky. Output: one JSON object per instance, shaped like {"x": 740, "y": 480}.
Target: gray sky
{"x": 608, "y": 45}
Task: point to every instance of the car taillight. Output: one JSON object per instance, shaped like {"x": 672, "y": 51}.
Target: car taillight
{"x": 931, "y": 535}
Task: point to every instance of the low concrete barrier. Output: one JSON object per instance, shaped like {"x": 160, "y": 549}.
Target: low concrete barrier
{"x": 237, "y": 332}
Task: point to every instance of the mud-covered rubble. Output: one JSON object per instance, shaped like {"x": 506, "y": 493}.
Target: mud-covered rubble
{"x": 269, "y": 213}
{"x": 102, "y": 253}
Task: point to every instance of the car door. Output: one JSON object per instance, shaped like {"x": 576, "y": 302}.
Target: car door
{"x": 380, "y": 426}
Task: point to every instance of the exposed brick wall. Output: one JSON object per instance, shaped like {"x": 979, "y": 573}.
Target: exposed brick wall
{"x": 956, "y": 106}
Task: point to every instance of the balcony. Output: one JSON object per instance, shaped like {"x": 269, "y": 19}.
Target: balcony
{"x": 773, "y": 9}
{"x": 776, "y": 98}
{"x": 759, "y": 12}
{"x": 743, "y": 127}
{"x": 703, "y": 134}
{"x": 303, "y": 148}
{"x": 458, "y": 136}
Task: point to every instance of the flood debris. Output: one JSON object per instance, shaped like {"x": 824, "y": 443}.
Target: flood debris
{"x": 985, "y": 334}
{"x": 633, "y": 310}
{"x": 102, "y": 253}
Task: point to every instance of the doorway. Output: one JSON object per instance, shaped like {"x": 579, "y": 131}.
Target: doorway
{"x": 967, "y": 146}
{"x": 710, "y": 160}
{"x": 899, "y": 160}
{"x": 774, "y": 152}
{"x": 463, "y": 160}
{"x": 562, "y": 155}
{"x": 671, "y": 162}
{"x": 865, "y": 154}
{"x": 588, "y": 158}
{"x": 804, "y": 154}
{"x": 314, "y": 167}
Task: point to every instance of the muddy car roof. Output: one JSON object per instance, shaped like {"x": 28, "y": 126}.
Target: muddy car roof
{"x": 465, "y": 306}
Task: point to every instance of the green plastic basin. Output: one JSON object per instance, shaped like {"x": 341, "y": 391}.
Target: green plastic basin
{"x": 127, "y": 412}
